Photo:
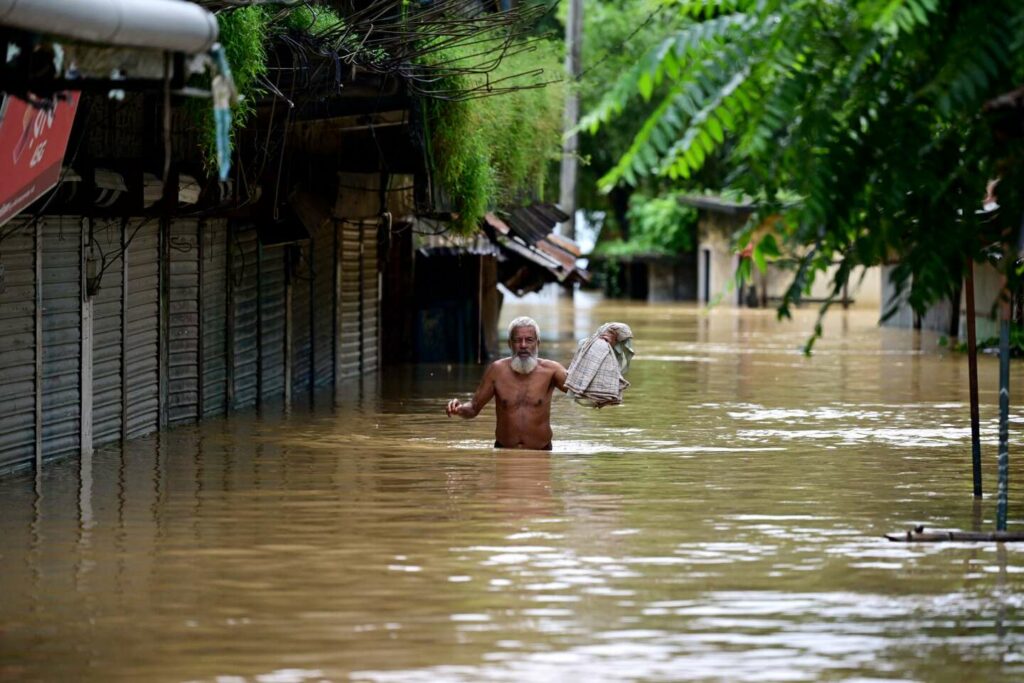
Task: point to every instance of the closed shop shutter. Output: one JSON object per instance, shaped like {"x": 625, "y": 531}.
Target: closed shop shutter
{"x": 349, "y": 334}
{"x": 244, "y": 284}
{"x": 62, "y": 344}
{"x": 17, "y": 345}
{"x": 106, "y": 345}
{"x": 370, "y": 298}
{"x": 302, "y": 286}
{"x": 214, "y": 322}
{"x": 183, "y": 324}
{"x": 324, "y": 246}
{"x": 272, "y": 314}
{"x": 142, "y": 364}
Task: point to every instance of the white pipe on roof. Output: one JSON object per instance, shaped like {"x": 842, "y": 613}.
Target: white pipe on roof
{"x": 174, "y": 25}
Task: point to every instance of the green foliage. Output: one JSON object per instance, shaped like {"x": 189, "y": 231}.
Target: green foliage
{"x": 243, "y": 34}
{"x": 616, "y": 34}
{"x": 312, "y": 19}
{"x": 611, "y": 272}
{"x": 493, "y": 151}
{"x": 461, "y": 160}
{"x": 658, "y": 225}
{"x": 991, "y": 344}
{"x": 870, "y": 112}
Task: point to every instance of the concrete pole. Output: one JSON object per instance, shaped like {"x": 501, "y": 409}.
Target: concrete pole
{"x": 86, "y": 354}
{"x": 570, "y": 144}
{"x": 1003, "y": 488}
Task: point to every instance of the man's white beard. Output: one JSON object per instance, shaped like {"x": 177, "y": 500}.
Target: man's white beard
{"x": 524, "y": 366}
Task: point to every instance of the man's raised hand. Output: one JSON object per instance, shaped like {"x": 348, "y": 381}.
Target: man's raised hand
{"x": 453, "y": 407}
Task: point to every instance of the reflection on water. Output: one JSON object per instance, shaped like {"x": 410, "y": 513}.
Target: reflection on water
{"x": 723, "y": 524}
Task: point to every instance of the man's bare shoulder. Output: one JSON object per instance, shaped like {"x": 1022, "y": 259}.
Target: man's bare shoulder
{"x": 552, "y": 365}
{"x": 499, "y": 368}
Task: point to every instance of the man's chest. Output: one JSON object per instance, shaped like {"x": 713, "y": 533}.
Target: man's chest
{"x": 528, "y": 392}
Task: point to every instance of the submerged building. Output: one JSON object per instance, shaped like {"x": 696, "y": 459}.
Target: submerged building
{"x": 143, "y": 291}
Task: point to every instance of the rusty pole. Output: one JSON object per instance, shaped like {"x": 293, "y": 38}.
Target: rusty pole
{"x": 972, "y": 368}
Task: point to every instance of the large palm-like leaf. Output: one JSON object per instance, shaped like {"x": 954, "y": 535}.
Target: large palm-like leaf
{"x": 868, "y": 111}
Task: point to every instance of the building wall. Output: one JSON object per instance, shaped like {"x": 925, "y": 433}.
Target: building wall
{"x": 717, "y": 261}
{"x": 864, "y": 286}
{"x": 988, "y": 284}
{"x": 940, "y": 316}
{"x": 672, "y": 280}
{"x": 716, "y": 258}
{"x": 114, "y": 328}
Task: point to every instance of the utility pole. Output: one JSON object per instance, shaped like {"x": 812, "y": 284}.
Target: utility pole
{"x": 570, "y": 144}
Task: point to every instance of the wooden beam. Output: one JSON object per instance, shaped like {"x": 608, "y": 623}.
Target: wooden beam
{"x": 919, "y": 535}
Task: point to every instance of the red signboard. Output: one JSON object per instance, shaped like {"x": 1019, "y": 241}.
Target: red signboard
{"x": 32, "y": 145}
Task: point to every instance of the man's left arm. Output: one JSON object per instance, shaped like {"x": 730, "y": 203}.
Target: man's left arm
{"x": 558, "y": 378}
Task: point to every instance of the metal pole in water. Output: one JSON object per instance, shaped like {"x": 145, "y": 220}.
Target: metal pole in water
{"x": 1004, "y": 408}
{"x": 972, "y": 370}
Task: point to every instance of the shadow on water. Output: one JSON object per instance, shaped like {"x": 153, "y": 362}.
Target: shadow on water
{"x": 723, "y": 524}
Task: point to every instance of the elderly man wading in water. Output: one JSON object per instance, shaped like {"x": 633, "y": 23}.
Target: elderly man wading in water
{"x": 522, "y": 386}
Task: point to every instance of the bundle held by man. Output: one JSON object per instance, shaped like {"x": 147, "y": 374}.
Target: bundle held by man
{"x": 595, "y": 374}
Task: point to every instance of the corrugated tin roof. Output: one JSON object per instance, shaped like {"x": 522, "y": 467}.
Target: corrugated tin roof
{"x": 535, "y": 222}
{"x": 452, "y": 250}
{"x": 528, "y": 233}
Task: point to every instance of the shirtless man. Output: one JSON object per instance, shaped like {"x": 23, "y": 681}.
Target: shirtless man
{"x": 522, "y": 385}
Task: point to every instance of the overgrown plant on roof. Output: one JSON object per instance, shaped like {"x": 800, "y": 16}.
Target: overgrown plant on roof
{"x": 493, "y": 151}
{"x": 243, "y": 34}
{"x": 489, "y": 148}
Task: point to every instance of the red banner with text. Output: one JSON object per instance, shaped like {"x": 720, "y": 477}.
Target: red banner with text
{"x": 33, "y": 141}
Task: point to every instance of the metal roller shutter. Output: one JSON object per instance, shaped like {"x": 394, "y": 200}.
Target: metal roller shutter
{"x": 301, "y": 339}
{"x": 349, "y": 334}
{"x": 244, "y": 329}
{"x": 62, "y": 350}
{"x": 183, "y": 328}
{"x": 214, "y": 321}
{"x": 106, "y": 345}
{"x": 272, "y": 312}
{"x": 17, "y": 345}
{"x": 324, "y": 247}
{"x": 142, "y": 364}
{"x": 370, "y": 298}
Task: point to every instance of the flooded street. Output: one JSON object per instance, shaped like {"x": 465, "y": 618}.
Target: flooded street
{"x": 725, "y": 523}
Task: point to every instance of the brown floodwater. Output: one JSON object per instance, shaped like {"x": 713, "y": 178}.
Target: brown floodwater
{"x": 724, "y": 524}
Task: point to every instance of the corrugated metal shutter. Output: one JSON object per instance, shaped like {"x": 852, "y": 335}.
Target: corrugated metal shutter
{"x": 324, "y": 247}
{"x": 106, "y": 345}
{"x": 349, "y": 334}
{"x": 17, "y": 345}
{"x": 370, "y": 298}
{"x": 244, "y": 286}
{"x": 301, "y": 340}
{"x": 142, "y": 361}
{"x": 62, "y": 349}
{"x": 183, "y": 347}
{"x": 214, "y": 322}
{"x": 272, "y": 314}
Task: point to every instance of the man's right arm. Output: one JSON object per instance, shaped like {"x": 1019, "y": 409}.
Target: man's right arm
{"x": 484, "y": 393}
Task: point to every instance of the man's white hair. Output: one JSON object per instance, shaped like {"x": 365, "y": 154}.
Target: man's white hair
{"x": 523, "y": 321}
